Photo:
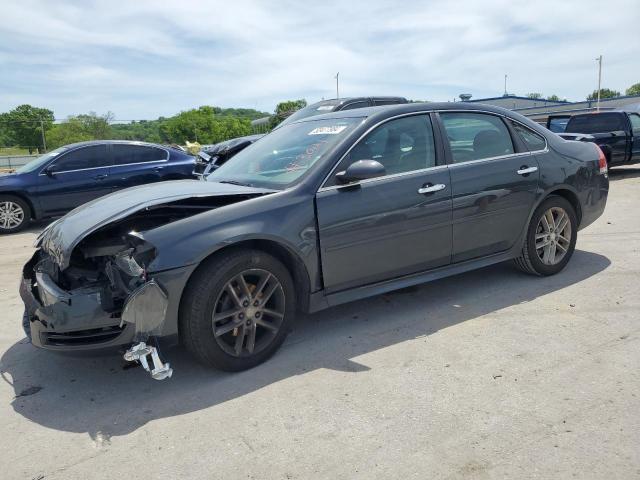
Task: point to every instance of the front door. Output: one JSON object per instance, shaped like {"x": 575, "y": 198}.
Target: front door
{"x": 389, "y": 226}
{"x": 493, "y": 184}
{"x": 74, "y": 178}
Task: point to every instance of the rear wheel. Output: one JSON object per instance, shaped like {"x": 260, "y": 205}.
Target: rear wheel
{"x": 551, "y": 238}
{"x": 14, "y": 214}
{"x": 237, "y": 310}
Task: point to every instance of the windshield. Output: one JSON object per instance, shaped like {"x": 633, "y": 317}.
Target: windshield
{"x": 595, "y": 123}
{"x": 40, "y": 161}
{"x": 282, "y": 157}
{"x": 315, "y": 109}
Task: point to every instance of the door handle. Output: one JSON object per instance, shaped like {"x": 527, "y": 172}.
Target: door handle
{"x": 158, "y": 169}
{"x": 101, "y": 176}
{"x": 432, "y": 188}
{"x": 524, "y": 170}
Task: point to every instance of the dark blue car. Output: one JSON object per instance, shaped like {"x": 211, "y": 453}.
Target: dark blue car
{"x": 69, "y": 176}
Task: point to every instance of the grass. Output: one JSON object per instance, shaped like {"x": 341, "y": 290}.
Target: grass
{"x": 5, "y": 151}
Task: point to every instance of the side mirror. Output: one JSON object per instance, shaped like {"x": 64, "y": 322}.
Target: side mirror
{"x": 50, "y": 170}
{"x": 361, "y": 170}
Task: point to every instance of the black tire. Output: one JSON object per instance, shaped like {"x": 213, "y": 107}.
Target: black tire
{"x": 201, "y": 297}
{"x": 26, "y": 214}
{"x": 529, "y": 260}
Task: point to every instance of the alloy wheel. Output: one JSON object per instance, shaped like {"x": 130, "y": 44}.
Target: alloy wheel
{"x": 248, "y": 313}
{"x": 553, "y": 236}
{"x": 11, "y": 215}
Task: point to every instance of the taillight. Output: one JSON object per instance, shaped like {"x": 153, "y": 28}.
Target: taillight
{"x": 602, "y": 161}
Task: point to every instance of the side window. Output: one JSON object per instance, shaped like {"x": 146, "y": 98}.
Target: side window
{"x": 534, "y": 141}
{"x": 635, "y": 123}
{"x": 475, "y": 136}
{"x": 92, "y": 156}
{"x": 124, "y": 154}
{"x": 352, "y": 106}
{"x": 401, "y": 145}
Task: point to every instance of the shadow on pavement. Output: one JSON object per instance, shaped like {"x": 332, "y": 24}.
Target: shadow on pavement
{"x": 96, "y": 395}
{"x": 625, "y": 172}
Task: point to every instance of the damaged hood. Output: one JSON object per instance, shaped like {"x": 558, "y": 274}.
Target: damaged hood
{"x": 62, "y": 236}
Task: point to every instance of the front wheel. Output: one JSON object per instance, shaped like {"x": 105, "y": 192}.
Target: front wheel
{"x": 237, "y": 310}
{"x": 551, "y": 238}
{"x": 14, "y": 214}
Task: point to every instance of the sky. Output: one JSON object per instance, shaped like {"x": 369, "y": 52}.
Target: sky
{"x": 141, "y": 59}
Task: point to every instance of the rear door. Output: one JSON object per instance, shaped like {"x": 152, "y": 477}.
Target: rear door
{"x": 137, "y": 164}
{"x": 389, "y": 226}
{"x": 494, "y": 184}
{"x": 75, "y": 177}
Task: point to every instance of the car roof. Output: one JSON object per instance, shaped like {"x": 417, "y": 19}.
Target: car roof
{"x": 341, "y": 101}
{"x": 391, "y": 110}
{"x": 114, "y": 142}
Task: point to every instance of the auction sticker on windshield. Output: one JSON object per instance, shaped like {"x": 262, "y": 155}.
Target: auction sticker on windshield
{"x": 332, "y": 130}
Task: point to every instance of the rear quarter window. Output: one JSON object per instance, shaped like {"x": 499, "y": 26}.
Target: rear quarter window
{"x": 532, "y": 140}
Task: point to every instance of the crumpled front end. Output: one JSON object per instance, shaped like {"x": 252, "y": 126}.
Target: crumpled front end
{"x": 105, "y": 296}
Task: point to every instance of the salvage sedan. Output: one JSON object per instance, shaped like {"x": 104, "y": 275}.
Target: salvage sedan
{"x": 320, "y": 212}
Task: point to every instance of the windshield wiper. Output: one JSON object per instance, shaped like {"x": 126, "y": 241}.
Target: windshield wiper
{"x": 235, "y": 182}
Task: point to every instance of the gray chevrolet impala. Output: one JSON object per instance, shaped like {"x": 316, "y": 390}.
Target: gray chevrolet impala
{"x": 322, "y": 211}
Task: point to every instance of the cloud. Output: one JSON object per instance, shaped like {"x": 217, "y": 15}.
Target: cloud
{"x": 147, "y": 58}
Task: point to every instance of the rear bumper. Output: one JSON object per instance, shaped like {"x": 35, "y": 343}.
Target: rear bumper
{"x": 56, "y": 319}
{"x": 596, "y": 201}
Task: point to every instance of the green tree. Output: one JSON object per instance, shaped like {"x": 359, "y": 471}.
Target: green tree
{"x": 534, "y": 95}
{"x": 6, "y": 139}
{"x": 553, "y": 98}
{"x": 80, "y": 128}
{"x": 205, "y": 125}
{"x": 604, "y": 93}
{"x": 25, "y": 125}
{"x": 633, "y": 89}
{"x": 143, "y": 130}
{"x": 284, "y": 109}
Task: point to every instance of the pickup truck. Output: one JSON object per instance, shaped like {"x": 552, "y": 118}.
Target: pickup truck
{"x": 617, "y": 133}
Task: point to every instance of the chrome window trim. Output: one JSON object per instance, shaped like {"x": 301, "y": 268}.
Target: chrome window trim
{"x": 490, "y": 159}
{"x": 384, "y": 177}
{"x": 427, "y": 112}
{"x": 139, "y": 163}
{"x": 410, "y": 114}
{"x": 107, "y": 166}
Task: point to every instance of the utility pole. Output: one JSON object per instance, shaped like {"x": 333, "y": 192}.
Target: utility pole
{"x": 337, "y": 89}
{"x": 599, "y": 60}
{"x": 505, "y": 85}
{"x": 44, "y": 142}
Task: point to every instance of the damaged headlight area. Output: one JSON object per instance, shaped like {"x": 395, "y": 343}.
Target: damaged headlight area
{"x": 117, "y": 265}
{"x": 104, "y": 297}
